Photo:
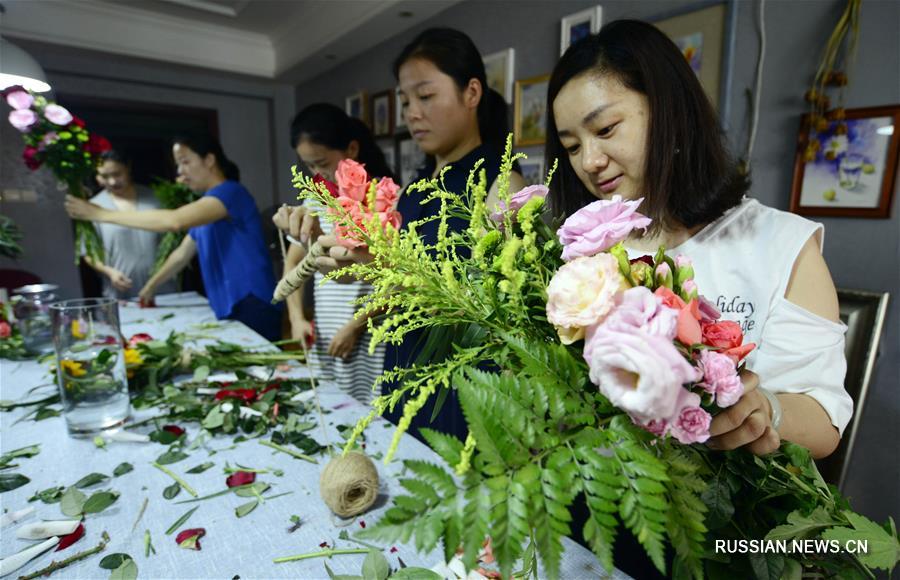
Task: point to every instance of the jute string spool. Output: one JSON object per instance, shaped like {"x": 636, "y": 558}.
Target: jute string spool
{"x": 349, "y": 484}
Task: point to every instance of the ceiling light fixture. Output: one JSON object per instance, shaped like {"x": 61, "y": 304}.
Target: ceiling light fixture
{"x": 17, "y": 67}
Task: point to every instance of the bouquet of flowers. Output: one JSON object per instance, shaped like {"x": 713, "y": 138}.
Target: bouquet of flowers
{"x": 360, "y": 208}
{"x": 171, "y": 195}
{"x": 59, "y": 140}
{"x": 614, "y": 417}
{"x": 11, "y": 345}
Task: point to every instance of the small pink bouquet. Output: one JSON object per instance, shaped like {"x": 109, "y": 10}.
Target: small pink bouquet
{"x": 654, "y": 346}
{"x": 363, "y": 202}
{"x": 364, "y": 208}
{"x": 58, "y": 140}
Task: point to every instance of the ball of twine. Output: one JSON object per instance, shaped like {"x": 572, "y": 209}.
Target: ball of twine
{"x": 349, "y": 484}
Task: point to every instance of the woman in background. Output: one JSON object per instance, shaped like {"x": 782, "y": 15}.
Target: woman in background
{"x": 322, "y": 136}
{"x": 129, "y": 254}
{"x": 224, "y": 231}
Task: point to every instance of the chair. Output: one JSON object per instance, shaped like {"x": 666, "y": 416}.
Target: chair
{"x": 864, "y": 314}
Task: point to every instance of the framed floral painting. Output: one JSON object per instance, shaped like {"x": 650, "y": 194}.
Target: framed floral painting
{"x": 849, "y": 167}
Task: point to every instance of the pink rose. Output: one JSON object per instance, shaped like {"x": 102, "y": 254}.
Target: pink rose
{"x": 682, "y": 261}
{"x": 58, "y": 115}
{"x": 23, "y": 119}
{"x": 720, "y": 378}
{"x": 599, "y": 226}
{"x": 518, "y": 200}
{"x": 19, "y": 100}
{"x": 688, "y": 328}
{"x": 352, "y": 180}
{"x": 639, "y": 373}
{"x": 386, "y": 195}
{"x": 5, "y": 330}
{"x": 638, "y": 308}
{"x": 727, "y": 337}
{"x": 691, "y": 424}
{"x": 725, "y": 334}
{"x": 581, "y": 293}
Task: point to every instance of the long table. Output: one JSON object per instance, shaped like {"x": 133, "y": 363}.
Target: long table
{"x": 232, "y": 547}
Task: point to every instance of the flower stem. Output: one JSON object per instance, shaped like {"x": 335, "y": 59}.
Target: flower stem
{"x": 180, "y": 481}
{"x": 323, "y": 554}
{"x": 54, "y": 566}
{"x": 290, "y": 452}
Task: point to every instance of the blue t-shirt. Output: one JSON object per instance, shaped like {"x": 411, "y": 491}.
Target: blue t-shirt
{"x": 233, "y": 258}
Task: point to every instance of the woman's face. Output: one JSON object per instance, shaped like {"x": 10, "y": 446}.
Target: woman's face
{"x": 114, "y": 176}
{"x": 603, "y": 126}
{"x": 438, "y": 114}
{"x": 193, "y": 171}
{"x": 321, "y": 159}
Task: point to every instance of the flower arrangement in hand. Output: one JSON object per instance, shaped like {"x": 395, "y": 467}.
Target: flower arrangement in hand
{"x": 58, "y": 140}
{"x": 653, "y": 346}
{"x": 605, "y": 374}
{"x": 360, "y": 209}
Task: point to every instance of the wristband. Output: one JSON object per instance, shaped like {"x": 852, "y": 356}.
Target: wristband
{"x": 776, "y": 407}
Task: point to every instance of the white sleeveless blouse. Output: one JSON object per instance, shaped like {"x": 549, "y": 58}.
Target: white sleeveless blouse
{"x": 743, "y": 263}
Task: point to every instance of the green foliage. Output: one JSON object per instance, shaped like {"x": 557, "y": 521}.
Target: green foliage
{"x": 10, "y": 236}
{"x": 540, "y": 433}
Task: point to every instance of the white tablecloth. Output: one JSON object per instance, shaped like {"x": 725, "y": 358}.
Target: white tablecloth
{"x": 232, "y": 546}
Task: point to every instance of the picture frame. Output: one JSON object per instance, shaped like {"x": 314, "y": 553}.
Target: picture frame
{"x": 389, "y": 149}
{"x": 532, "y": 169}
{"x": 852, "y": 174}
{"x": 574, "y": 27}
{"x": 705, "y": 34}
{"x": 356, "y": 106}
{"x": 411, "y": 159}
{"x": 530, "y": 111}
{"x": 399, "y": 119}
{"x": 864, "y": 312}
{"x": 499, "y": 68}
{"x": 383, "y": 114}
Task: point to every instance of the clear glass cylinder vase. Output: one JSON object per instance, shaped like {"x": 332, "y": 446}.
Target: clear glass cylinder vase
{"x": 90, "y": 364}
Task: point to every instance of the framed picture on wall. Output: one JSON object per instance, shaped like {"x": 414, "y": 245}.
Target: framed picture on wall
{"x": 533, "y": 169}
{"x": 702, "y": 35}
{"x": 530, "y": 117}
{"x": 852, "y": 171}
{"x": 399, "y": 119}
{"x": 383, "y": 114}
{"x": 500, "y": 69}
{"x": 411, "y": 159}
{"x": 355, "y": 106}
{"x": 579, "y": 25}
{"x": 389, "y": 148}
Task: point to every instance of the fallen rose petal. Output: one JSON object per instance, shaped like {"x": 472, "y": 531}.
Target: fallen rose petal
{"x": 174, "y": 430}
{"x": 394, "y": 549}
{"x": 139, "y": 338}
{"x": 362, "y": 524}
{"x": 246, "y": 395}
{"x": 240, "y": 478}
{"x": 190, "y": 539}
{"x": 323, "y": 545}
{"x": 66, "y": 541}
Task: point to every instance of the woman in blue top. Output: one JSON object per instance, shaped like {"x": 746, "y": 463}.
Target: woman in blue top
{"x": 224, "y": 229}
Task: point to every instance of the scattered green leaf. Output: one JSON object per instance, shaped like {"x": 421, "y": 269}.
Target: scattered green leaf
{"x": 91, "y": 479}
{"x": 11, "y": 481}
{"x": 172, "y": 490}
{"x": 113, "y": 561}
{"x": 246, "y": 508}
{"x": 122, "y": 469}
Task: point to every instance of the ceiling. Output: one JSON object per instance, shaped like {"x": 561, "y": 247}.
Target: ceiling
{"x": 288, "y": 40}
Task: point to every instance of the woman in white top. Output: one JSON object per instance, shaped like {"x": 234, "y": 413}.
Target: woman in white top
{"x": 129, "y": 254}
{"x": 629, "y": 117}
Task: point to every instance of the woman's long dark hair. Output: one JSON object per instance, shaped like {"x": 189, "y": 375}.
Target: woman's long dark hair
{"x": 329, "y": 126}
{"x": 203, "y": 145}
{"x": 455, "y": 55}
{"x": 689, "y": 178}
